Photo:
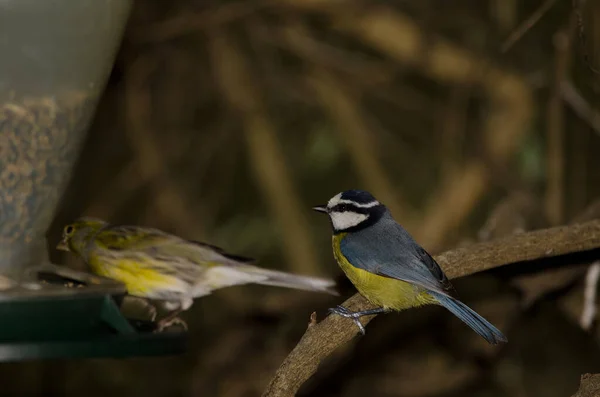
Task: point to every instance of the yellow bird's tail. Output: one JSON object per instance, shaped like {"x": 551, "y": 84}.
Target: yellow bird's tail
{"x": 287, "y": 280}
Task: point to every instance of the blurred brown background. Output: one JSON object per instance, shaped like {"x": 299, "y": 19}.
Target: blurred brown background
{"x": 225, "y": 121}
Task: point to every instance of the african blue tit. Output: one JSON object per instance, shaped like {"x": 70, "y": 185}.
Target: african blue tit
{"x": 387, "y": 266}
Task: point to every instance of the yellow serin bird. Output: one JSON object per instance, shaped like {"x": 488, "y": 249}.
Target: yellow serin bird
{"x": 160, "y": 266}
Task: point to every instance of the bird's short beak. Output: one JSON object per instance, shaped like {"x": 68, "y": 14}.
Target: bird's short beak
{"x": 320, "y": 208}
{"x": 63, "y": 245}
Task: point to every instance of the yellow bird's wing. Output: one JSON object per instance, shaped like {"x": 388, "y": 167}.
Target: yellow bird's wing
{"x": 164, "y": 245}
{"x": 121, "y": 238}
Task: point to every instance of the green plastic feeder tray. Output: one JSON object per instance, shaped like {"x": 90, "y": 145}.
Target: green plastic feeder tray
{"x": 61, "y": 313}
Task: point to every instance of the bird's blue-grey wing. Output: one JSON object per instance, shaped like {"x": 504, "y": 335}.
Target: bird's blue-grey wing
{"x": 388, "y": 250}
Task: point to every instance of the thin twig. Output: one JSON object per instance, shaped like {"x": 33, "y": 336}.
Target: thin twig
{"x": 453, "y": 117}
{"x": 526, "y": 25}
{"x": 320, "y": 340}
{"x": 588, "y": 314}
{"x": 513, "y": 214}
{"x": 579, "y": 169}
{"x": 577, "y": 7}
{"x": 555, "y": 135}
{"x": 580, "y": 105}
{"x": 295, "y": 36}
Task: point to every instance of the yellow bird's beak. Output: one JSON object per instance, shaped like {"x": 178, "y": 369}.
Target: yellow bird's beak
{"x": 320, "y": 208}
{"x": 63, "y": 245}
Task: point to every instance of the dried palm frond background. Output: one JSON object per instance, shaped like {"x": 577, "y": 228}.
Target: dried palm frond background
{"x": 225, "y": 121}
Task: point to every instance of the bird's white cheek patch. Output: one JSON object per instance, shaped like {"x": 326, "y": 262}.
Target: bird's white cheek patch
{"x": 347, "y": 219}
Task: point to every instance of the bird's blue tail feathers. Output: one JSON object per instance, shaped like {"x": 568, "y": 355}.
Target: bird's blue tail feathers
{"x": 471, "y": 318}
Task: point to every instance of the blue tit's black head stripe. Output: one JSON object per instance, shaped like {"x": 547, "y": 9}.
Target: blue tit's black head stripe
{"x": 349, "y": 207}
{"x": 358, "y": 196}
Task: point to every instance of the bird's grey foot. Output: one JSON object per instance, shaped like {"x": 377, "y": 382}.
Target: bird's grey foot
{"x": 169, "y": 322}
{"x": 138, "y": 308}
{"x": 355, "y": 316}
{"x": 151, "y": 310}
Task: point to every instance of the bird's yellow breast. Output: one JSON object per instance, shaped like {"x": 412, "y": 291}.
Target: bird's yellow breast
{"x": 138, "y": 279}
{"x": 382, "y": 291}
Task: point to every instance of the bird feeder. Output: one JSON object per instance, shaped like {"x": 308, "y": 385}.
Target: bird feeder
{"x": 55, "y": 59}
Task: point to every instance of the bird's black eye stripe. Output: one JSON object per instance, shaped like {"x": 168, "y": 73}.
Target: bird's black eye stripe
{"x": 346, "y": 207}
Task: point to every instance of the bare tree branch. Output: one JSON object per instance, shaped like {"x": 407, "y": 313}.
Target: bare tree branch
{"x": 589, "y": 387}
{"x": 526, "y": 25}
{"x": 322, "y": 339}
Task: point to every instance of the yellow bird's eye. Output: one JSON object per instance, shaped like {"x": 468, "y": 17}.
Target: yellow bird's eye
{"x": 69, "y": 230}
